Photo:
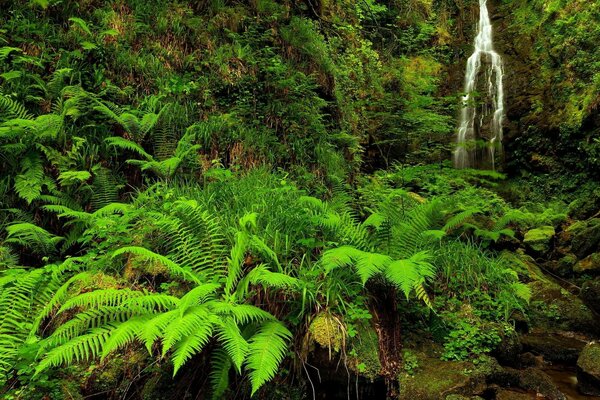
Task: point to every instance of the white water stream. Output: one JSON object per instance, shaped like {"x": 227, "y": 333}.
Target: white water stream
{"x": 482, "y": 111}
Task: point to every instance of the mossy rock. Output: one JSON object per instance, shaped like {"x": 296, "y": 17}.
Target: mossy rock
{"x": 590, "y": 294}
{"x": 508, "y": 394}
{"x": 588, "y": 370}
{"x": 553, "y": 346}
{"x": 586, "y": 237}
{"x": 437, "y": 379}
{"x": 539, "y": 240}
{"x": 552, "y": 308}
{"x": 565, "y": 265}
{"x": 589, "y": 265}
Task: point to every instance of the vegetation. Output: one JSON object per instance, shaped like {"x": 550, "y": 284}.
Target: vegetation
{"x": 211, "y": 199}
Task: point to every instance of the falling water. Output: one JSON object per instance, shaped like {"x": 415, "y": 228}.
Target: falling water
{"x": 481, "y": 119}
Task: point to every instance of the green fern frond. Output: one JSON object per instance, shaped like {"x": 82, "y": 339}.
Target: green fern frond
{"x": 99, "y": 298}
{"x": 229, "y": 334}
{"x": 124, "y": 144}
{"x": 28, "y": 184}
{"x": 219, "y": 375}
{"x": 192, "y": 344}
{"x": 33, "y": 237}
{"x": 266, "y": 349}
{"x": 459, "y": 219}
{"x": 82, "y": 348}
{"x": 11, "y": 109}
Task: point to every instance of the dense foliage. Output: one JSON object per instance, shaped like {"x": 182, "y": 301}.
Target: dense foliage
{"x": 198, "y": 197}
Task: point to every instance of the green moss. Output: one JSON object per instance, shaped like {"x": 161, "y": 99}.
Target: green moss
{"x": 327, "y": 331}
{"x": 437, "y": 379}
{"x": 363, "y": 356}
{"x": 539, "y": 239}
{"x": 589, "y": 360}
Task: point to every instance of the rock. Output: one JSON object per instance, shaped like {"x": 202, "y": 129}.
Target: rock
{"x": 588, "y": 370}
{"x": 507, "y": 394}
{"x": 590, "y": 294}
{"x": 528, "y": 359}
{"x": 553, "y": 346}
{"x": 552, "y": 308}
{"x": 539, "y": 240}
{"x": 564, "y": 266}
{"x": 437, "y": 379}
{"x": 586, "y": 237}
{"x": 586, "y": 206}
{"x": 589, "y": 265}
{"x": 531, "y": 379}
{"x": 540, "y": 382}
{"x": 509, "y": 349}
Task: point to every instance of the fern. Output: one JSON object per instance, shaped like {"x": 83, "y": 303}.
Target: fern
{"x": 266, "y": 350}
{"x": 11, "y": 109}
{"x": 28, "y": 184}
{"x": 33, "y": 237}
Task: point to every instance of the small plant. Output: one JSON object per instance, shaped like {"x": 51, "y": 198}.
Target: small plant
{"x": 470, "y": 341}
{"x": 410, "y": 362}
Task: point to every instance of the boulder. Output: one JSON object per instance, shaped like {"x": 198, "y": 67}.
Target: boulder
{"x": 588, "y": 370}
{"x": 589, "y": 265}
{"x": 539, "y": 240}
{"x": 509, "y": 349}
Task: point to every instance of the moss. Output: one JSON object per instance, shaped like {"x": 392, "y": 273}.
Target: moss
{"x": 589, "y": 360}
{"x": 539, "y": 239}
{"x": 327, "y": 331}
{"x": 589, "y": 264}
{"x": 437, "y": 379}
{"x": 554, "y": 308}
{"x": 363, "y": 356}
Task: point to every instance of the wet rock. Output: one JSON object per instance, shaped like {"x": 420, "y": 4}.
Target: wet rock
{"x": 539, "y": 240}
{"x": 540, "y": 382}
{"x": 553, "y": 308}
{"x": 590, "y": 294}
{"x": 553, "y": 346}
{"x": 589, "y": 265}
{"x": 588, "y": 370}
{"x": 530, "y": 379}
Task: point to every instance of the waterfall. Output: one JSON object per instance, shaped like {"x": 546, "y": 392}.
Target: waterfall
{"x": 481, "y": 118}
